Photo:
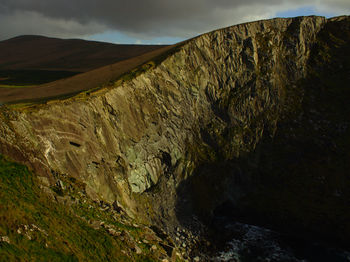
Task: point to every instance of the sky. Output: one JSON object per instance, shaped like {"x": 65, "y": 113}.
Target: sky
{"x": 147, "y": 21}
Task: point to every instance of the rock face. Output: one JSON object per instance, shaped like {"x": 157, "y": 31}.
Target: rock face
{"x": 255, "y": 115}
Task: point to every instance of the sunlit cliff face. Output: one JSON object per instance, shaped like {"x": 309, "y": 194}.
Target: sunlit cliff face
{"x": 254, "y": 115}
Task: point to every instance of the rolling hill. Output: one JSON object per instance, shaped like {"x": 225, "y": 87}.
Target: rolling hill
{"x": 28, "y": 61}
{"x": 32, "y": 52}
{"x": 249, "y": 123}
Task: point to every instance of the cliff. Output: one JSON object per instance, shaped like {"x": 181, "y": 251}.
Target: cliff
{"x": 254, "y": 115}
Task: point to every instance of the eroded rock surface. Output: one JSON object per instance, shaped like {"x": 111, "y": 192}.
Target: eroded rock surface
{"x": 207, "y": 124}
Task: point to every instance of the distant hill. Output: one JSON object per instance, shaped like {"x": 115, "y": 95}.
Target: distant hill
{"x": 67, "y": 84}
{"x": 246, "y": 124}
{"x": 32, "y": 52}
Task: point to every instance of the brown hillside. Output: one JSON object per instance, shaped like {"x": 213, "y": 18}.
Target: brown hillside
{"x": 80, "y": 82}
{"x": 44, "y": 53}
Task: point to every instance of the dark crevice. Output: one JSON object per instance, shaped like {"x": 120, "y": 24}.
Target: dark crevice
{"x": 74, "y": 144}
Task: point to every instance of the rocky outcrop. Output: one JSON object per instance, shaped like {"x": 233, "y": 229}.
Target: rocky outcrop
{"x": 206, "y": 122}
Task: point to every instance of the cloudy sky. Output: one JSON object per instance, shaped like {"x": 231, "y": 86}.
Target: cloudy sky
{"x": 147, "y": 21}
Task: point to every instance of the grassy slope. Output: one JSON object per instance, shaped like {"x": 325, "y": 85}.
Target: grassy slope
{"x": 41, "y": 229}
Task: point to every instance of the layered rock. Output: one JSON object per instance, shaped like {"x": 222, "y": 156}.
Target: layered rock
{"x": 205, "y": 122}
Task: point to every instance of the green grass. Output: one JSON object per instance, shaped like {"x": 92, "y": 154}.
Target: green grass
{"x": 64, "y": 233}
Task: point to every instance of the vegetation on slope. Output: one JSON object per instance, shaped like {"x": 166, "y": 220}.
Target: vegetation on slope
{"x": 65, "y": 225}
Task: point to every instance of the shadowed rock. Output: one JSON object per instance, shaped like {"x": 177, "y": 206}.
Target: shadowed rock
{"x": 255, "y": 114}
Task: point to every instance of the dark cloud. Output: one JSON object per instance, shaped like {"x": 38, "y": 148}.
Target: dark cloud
{"x": 141, "y": 18}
